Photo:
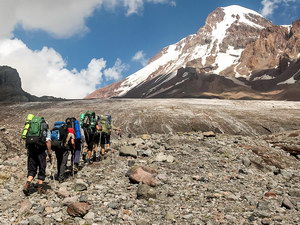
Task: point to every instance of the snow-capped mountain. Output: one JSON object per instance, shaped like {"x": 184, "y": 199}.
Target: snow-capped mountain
{"x": 235, "y": 51}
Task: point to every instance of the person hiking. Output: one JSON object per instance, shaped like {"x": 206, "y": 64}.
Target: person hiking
{"x": 89, "y": 125}
{"x": 62, "y": 160}
{"x": 106, "y": 127}
{"x": 58, "y": 146}
{"x": 79, "y": 143}
{"x": 38, "y": 141}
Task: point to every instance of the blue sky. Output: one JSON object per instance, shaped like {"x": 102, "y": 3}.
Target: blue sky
{"x": 92, "y": 43}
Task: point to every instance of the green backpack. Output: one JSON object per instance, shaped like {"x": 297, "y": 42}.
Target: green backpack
{"x": 88, "y": 120}
{"x": 37, "y": 131}
{"x": 105, "y": 122}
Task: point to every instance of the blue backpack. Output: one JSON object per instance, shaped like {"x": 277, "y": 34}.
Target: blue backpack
{"x": 74, "y": 123}
{"x": 58, "y": 134}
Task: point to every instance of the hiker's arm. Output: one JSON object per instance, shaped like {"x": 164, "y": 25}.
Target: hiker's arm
{"x": 67, "y": 139}
{"x": 48, "y": 144}
{"x": 73, "y": 142}
{"x": 49, "y": 150}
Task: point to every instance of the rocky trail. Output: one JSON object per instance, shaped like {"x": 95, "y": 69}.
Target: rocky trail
{"x": 208, "y": 162}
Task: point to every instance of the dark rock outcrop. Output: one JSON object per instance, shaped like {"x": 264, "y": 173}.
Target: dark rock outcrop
{"x": 11, "y": 88}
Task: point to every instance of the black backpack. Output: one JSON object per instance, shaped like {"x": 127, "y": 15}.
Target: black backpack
{"x": 58, "y": 134}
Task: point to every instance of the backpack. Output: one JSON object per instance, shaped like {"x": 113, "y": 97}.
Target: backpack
{"x": 81, "y": 118}
{"x": 88, "y": 120}
{"x": 74, "y": 123}
{"x": 58, "y": 134}
{"x": 37, "y": 131}
{"x": 26, "y": 126}
{"x": 105, "y": 123}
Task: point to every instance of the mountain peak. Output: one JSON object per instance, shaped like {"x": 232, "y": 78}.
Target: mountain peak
{"x": 237, "y": 9}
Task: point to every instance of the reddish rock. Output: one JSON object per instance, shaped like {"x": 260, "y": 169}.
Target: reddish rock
{"x": 270, "y": 194}
{"x": 142, "y": 174}
{"x": 78, "y": 209}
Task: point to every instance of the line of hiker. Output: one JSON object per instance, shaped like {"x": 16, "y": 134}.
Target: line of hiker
{"x": 70, "y": 136}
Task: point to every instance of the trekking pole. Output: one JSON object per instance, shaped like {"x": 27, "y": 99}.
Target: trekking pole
{"x": 52, "y": 173}
{"x": 73, "y": 158}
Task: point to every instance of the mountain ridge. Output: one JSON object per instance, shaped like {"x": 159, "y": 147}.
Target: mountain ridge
{"x": 233, "y": 43}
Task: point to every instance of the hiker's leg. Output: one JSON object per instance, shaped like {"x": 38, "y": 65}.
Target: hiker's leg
{"x": 59, "y": 157}
{"x": 64, "y": 161}
{"x": 42, "y": 166}
{"x": 102, "y": 143}
{"x": 77, "y": 152}
{"x": 108, "y": 142}
{"x": 31, "y": 166}
{"x": 102, "y": 149}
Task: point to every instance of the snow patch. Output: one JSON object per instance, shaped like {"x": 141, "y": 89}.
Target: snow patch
{"x": 288, "y": 27}
{"x": 289, "y": 81}
{"x": 227, "y": 59}
{"x": 236, "y": 81}
{"x": 264, "y": 77}
{"x": 180, "y": 82}
{"x": 141, "y": 75}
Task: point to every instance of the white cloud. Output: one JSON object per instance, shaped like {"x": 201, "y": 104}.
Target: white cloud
{"x": 136, "y": 6}
{"x": 270, "y": 5}
{"x": 140, "y": 57}
{"x": 115, "y": 73}
{"x": 60, "y": 18}
{"x": 44, "y": 72}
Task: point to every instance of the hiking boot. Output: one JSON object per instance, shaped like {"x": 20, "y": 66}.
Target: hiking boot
{"x": 26, "y": 188}
{"x": 84, "y": 157}
{"x": 41, "y": 190}
{"x": 61, "y": 179}
{"x": 76, "y": 167}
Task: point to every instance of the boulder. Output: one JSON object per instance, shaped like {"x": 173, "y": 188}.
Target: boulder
{"x": 128, "y": 151}
{"x": 142, "y": 174}
{"x": 78, "y": 209}
{"x": 144, "y": 191}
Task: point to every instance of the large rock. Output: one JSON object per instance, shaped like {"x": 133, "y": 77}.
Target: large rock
{"x": 142, "y": 174}
{"x": 144, "y": 191}
{"x": 78, "y": 209}
{"x": 25, "y": 206}
{"x": 128, "y": 151}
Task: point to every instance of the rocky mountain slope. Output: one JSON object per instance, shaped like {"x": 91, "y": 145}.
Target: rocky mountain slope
{"x": 187, "y": 161}
{"x": 251, "y": 57}
{"x": 11, "y": 88}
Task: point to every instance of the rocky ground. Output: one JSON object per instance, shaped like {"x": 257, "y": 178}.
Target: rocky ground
{"x": 207, "y": 162}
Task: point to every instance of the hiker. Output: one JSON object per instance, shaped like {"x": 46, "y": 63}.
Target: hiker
{"x": 58, "y": 136}
{"x": 77, "y": 151}
{"x": 38, "y": 140}
{"x": 73, "y": 123}
{"x": 89, "y": 125}
{"x": 106, "y": 128}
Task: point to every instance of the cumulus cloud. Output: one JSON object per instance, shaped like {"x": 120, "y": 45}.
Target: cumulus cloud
{"x": 136, "y": 6}
{"x": 140, "y": 57}
{"x": 44, "y": 72}
{"x": 62, "y": 19}
{"x": 270, "y": 5}
{"x": 115, "y": 73}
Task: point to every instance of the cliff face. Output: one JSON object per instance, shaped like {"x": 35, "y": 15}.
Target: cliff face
{"x": 11, "y": 88}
